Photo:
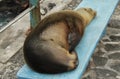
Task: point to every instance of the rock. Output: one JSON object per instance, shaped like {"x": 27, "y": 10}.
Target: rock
{"x": 115, "y": 38}
{"x": 1, "y": 68}
{"x": 114, "y": 56}
{"x": 43, "y": 11}
{"x": 51, "y": 5}
{"x": 106, "y": 78}
{"x": 90, "y": 75}
{"x": 99, "y": 53}
{"x": 99, "y": 61}
{"x": 105, "y": 40}
{"x": 114, "y": 24}
{"x": 115, "y": 19}
{"x": 112, "y": 31}
{"x": 105, "y": 73}
{"x": 112, "y": 46}
{"x": 118, "y": 77}
{"x": 116, "y": 67}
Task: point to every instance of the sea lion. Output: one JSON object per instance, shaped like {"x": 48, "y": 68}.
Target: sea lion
{"x": 49, "y": 48}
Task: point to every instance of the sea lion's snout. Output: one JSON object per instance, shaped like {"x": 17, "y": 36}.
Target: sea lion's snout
{"x": 87, "y": 15}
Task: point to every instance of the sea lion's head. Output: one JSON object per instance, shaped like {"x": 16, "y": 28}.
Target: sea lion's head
{"x": 87, "y": 14}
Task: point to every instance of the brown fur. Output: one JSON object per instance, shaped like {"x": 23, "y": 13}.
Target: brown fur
{"x": 49, "y": 48}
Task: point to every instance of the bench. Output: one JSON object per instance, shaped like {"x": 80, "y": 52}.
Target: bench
{"x": 87, "y": 45}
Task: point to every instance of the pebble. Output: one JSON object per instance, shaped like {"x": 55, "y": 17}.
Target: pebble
{"x": 115, "y": 38}
{"x": 114, "y": 56}
{"x": 112, "y": 46}
{"x": 99, "y": 61}
{"x": 118, "y": 77}
{"x": 116, "y": 66}
{"x": 105, "y": 73}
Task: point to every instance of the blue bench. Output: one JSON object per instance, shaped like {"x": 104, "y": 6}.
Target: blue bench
{"x": 85, "y": 48}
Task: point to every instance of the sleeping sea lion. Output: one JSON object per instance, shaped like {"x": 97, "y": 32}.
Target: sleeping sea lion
{"x": 49, "y": 48}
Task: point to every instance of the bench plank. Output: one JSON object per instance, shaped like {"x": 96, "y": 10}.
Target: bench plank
{"x": 87, "y": 45}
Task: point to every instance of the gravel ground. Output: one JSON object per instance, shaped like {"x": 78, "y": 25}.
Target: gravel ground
{"x": 106, "y": 59}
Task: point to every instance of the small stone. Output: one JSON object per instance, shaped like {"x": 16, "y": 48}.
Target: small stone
{"x": 99, "y": 53}
{"x": 115, "y": 56}
{"x": 88, "y": 77}
{"x": 105, "y": 40}
{"x": 112, "y": 47}
{"x": 118, "y": 77}
{"x": 99, "y": 61}
{"x": 51, "y": 5}
{"x": 43, "y": 11}
{"x": 109, "y": 77}
{"x": 70, "y": 5}
{"x": 105, "y": 73}
{"x": 1, "y": 65}
{"x": 114, "y": 23}
{"x": 115, "y": 38}
{"x": 116, "y": 67}
{"x": 112, "y": 31}
{"x": 1, "y": 68}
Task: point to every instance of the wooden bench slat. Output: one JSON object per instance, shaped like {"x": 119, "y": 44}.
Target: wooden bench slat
{"x": 86, "y": 47}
